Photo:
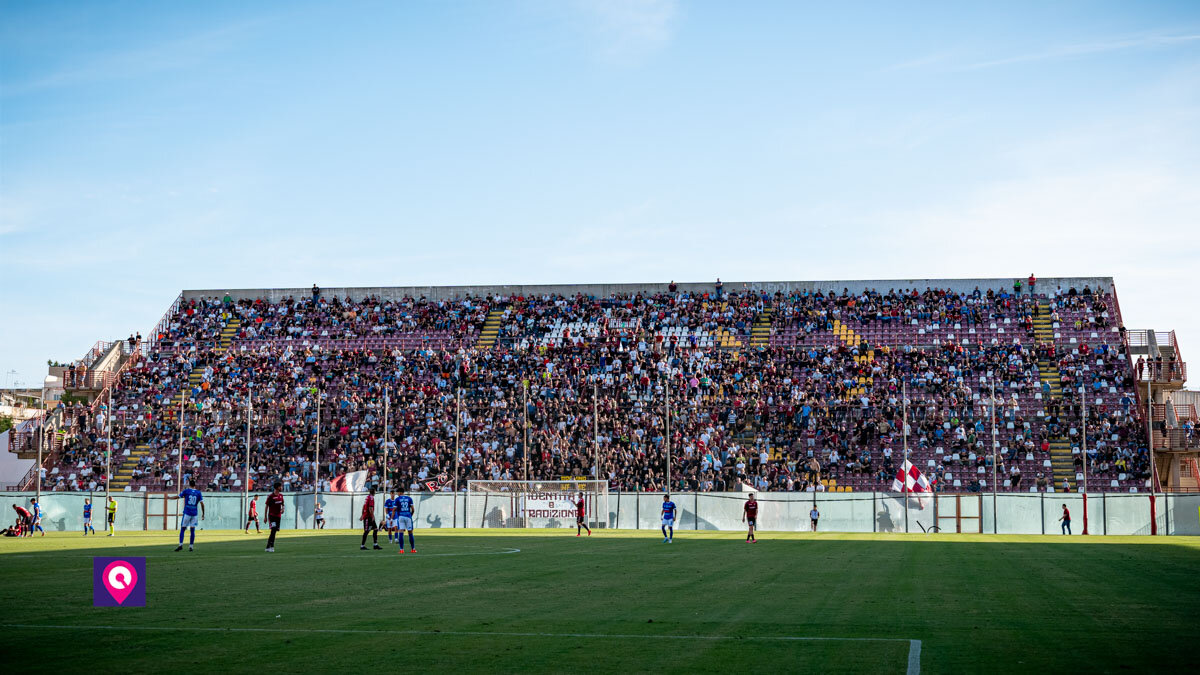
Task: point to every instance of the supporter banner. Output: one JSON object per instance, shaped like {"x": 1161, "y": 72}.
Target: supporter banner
{"x": 549, "y": 505}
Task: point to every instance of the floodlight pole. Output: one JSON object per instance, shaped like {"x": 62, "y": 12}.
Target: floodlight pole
{"x": 595, "y": 430}
{"x": 108, "y": 449}
{"x": 41, "y": 444}
{"x": 668, "y": 416}
{"x": 179, "y": 459}
{"x": 246, "y": 480}
{"x": 457, "y": 436}
{"x": 904, "y": 466}
{"x": 317, "y": 461}
{"x": 525, "y": 424}
{"x": 386, "y": 411}
{"x": 1083, "y": 400}
{"x": 995, "y": 464}
{"x": 525, "y": 450}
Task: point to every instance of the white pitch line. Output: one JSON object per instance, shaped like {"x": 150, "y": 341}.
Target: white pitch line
{"x": 506, "y": 551}
{"x": 914, "y": 646}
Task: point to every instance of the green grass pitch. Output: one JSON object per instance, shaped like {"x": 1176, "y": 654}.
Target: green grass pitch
{"x": 620, "y": 601}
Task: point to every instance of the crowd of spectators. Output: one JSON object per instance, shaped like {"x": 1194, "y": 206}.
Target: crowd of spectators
{"x": 576, "y": 380}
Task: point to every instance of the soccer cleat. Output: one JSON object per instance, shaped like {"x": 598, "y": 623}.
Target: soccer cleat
{"x": 190, "y": 548}
{"x": 378, "y": 547}
{"x": 400, "y": 551}
{"x": 363, "y": 547}
{"x": 179, "y": 547}
{"x": 665, "y": 540}
{"x": 270, "y": 549}
{"x": 589, "y": 533}
{"x": 671, "y": 540}
{"x": 413, "y": 550}
{"x": 576, "y": 534}
{"x": 753, "y": 541}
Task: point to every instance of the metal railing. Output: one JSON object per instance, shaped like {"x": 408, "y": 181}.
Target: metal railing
{"x": 1176, "y": 439}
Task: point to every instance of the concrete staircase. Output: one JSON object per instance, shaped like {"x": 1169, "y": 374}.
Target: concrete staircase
{"x": 760, "y": 332}
{"x": 1061, "y": 461}
{"x": 852, "y": 339}
{"x": 228, "y": 331}
{"x": 491, "y": 329}
{"x": 124, "y": 473}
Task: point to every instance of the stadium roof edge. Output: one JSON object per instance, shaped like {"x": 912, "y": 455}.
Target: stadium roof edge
{"x": 601, "y": 289}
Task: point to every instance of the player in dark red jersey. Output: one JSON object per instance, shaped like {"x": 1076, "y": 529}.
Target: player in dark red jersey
{"x": 24, "y": 520}
{"x": 750, "y": 517}
{"x": 252, "y": 516}
{"x": 580, "y": 512}
{"x": 368, "y": 520}
{"x": 274, "y": 514}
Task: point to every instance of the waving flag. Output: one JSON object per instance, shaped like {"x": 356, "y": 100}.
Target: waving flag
{"x": 355, "y": 481}
{"x": 437, "y": 483}
{"x": 916, "y": 481}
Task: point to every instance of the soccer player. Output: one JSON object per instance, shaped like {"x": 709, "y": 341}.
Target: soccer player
{"x": 274, "y": 514}
{"x": 580, "y": 512}
{"x": 87, "y": 517}
{"x": 404, "y": 520}
{"x": 319, "y": 516}
{"x": 192, "y": 499}
{"x": 389, "y": 515}
{"x": 368, "y": 520}
{"x": 750, "y": 517}
{"x": 37, "y": 516}
{"x": 668, "y": 519}
{"x": 24, "y": 519}
{"x": 112, "y": 516}
{"x": 252, "y": 516}
{"x": 813, "y": 515}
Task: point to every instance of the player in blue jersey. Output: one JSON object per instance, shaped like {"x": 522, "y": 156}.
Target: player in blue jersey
{"x": 403, "y": 505}
{"x": 37, "y": 515}
{"x": 87, "y": 517}
{"x": 193, "y": 505}
{"x": 668, "y": 519}
{"x": 389, "y": 515}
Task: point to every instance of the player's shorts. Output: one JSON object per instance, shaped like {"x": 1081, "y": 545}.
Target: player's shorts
{"x": 404, "y": 523}
{"x": 752, "y": 522}
{"x": 272, "y": 524}
{"x": 579, "y": 519}
{"x": 87, "y": 521}
{"x": 111, "y": 517}
{"x": 370, "y": 524}
{"x": 190, "y": 521}
{"x": 668, "y": 522}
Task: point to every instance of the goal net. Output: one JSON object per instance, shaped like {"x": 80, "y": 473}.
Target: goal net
{"x": 535, "y": 503}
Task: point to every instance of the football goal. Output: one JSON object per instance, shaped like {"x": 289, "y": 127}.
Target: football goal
{"x": 535, "y": 503}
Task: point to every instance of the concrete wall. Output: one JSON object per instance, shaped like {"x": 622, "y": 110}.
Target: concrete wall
{"x": 602, "y": 290}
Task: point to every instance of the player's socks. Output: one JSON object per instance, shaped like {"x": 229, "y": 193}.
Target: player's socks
{"x": 411, "y": 544}
{"x": 181, "y": 531}
{"x": 192, "y": 538}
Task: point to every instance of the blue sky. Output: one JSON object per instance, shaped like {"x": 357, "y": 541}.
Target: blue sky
{"x": 151, "y": 147}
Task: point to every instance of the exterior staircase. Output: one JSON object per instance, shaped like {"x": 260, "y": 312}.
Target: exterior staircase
{"x": 491, "y": 329}
{"x": 760, "y": 332}
{"x": 1061, "y": 461}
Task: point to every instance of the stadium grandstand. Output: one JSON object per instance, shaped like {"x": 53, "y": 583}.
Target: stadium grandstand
{"x": 1014, "y": 385}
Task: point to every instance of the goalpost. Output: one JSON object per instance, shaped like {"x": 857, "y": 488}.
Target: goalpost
{"x": 535, "y": 503}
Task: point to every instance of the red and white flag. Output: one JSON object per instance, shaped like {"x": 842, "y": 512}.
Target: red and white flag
{"x": 912, "y": 476}
{"x": 355, "y": 481}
